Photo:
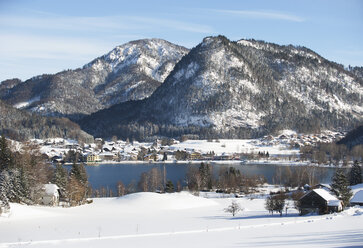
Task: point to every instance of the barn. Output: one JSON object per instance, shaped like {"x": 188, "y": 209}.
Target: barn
{"x": 319, "y": 201}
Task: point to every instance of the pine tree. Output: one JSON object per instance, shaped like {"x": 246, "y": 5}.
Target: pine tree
{"x": 165, "y": 156}
{"x": 16, "y": 193}
{"x": 5, "y": 186}
{"x": 24, "y": 185}
{"x": 279, "y": 202}
{"x": 79, "y": 172}
{"x": 340, "y": 186}
{"x": 355, "y": 174}
{"x": 60, "y": 178}
{"x": 169, "y": 187}
{"x": 205, "y": 171}
{"x": 4, "y": 203}
{"x": 6, "y": 157}
{"x": 269, "y": 205}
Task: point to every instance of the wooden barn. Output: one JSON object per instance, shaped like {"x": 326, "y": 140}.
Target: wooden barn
{"x": 319, "y": 201}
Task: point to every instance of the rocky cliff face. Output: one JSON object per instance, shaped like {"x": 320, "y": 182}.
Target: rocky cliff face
{"x": 129, "y": 72}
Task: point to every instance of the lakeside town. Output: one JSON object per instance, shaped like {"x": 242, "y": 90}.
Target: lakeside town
{"x": 286, "y": 146}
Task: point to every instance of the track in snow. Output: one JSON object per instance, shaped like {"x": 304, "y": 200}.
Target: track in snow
{"x": 140, "y": 235}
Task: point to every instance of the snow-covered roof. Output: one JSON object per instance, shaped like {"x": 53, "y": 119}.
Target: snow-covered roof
{"x": 324, "y": 185}
{"x": 358, "y": 197}
{"x": 326, "y": 195}
{"x": 106, "y": 154}
{"x": 51, "y": 189}
{"x": 334, "y": 203}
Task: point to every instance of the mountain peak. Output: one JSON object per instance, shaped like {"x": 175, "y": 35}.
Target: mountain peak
{"x": 241, "y": 89}
{"x": 131, "y": 71}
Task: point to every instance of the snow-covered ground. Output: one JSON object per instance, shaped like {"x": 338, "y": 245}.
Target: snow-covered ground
{"x": 230, "y": 146}
{"x": 175, "y": 220}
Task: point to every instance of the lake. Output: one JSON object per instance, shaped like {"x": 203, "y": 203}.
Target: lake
{"x": 107, "y": 175}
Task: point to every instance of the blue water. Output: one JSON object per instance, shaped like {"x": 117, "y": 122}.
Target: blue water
{"x": 107, "y": 175}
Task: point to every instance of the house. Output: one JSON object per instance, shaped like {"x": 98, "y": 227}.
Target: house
{"x": 195, "y": 156}
{"x": 357, "y": 199}
{"x": 107, "y": 156}
{"x": 150, "y": 157}
{"x": 224, "y": 156}
{"x": 50, "y": 194}
{"x": 323, "y": 186}
{"x": 57, "y": 159}
{"x": 319, "y": 201}
{"x": 93, "y": 158}
{"x": 307, "y": 187}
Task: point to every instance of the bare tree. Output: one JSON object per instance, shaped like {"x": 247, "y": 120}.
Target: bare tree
{"x": 131, "y": 187}
{"x": 193, "y": 178}
{"x": 234, "y": 208}
{"x": 144, "y": 182}
{"x": 155, "y": 180}
{"x": 120, "y": 188}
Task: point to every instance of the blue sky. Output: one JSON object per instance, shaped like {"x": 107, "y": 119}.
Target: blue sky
{"x": 48, "y": 36}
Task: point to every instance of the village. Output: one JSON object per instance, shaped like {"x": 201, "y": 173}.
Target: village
{"x": 283, "y": 147}
{"x": 228, "y": 203}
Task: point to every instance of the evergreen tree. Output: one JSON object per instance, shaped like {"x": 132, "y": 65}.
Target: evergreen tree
{"x": 355, "y": 174}
{"x": 24, "y": 183}
{"x": 5, "y": 187}
{"x": 60, "y": 178}
{"x": 275, "y": 203}
{"x": 79, "y": 172}
{"x": 205, "y": 171}
{"x": 169, "y": 188}
{"x": 6, "y": 157}
{"x": 269, "y": 205}
{"x": 4, "y": 203}
{"x": 279, "y": 202}
{"x": 15, "y": 194}
{"x": 340, "y": 186}
{"x": 165, "y": 156}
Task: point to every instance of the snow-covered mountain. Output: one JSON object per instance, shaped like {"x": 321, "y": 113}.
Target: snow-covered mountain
{"x": 239, "y": 89}
{"x": 129, "y": 72}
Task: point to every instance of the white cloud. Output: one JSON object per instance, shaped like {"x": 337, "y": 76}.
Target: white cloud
{"x": 64, "y": 41}
{"x": 100, "y": 24}
{"x": 24, "y": 56}
{"x": 172, "y": 24}
{"x": 48, "y": 47}
{"x": 262, "y": 14}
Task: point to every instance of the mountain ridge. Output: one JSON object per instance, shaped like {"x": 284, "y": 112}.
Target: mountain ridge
{"x": 131, "y": 71}
{"x": 241, "y": 89}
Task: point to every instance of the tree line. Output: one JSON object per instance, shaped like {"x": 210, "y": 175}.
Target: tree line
{"x": 198, "y": 178}
{"x": 332, "y": 153}
{"x": 23, "y": 175}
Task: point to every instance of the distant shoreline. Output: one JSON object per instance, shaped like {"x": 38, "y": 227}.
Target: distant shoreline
{"x": 234, "y": 162}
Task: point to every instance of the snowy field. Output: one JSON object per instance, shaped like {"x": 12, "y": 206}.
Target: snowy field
{"x": 230, "y": 146}
{"x": 175, "y": 220}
